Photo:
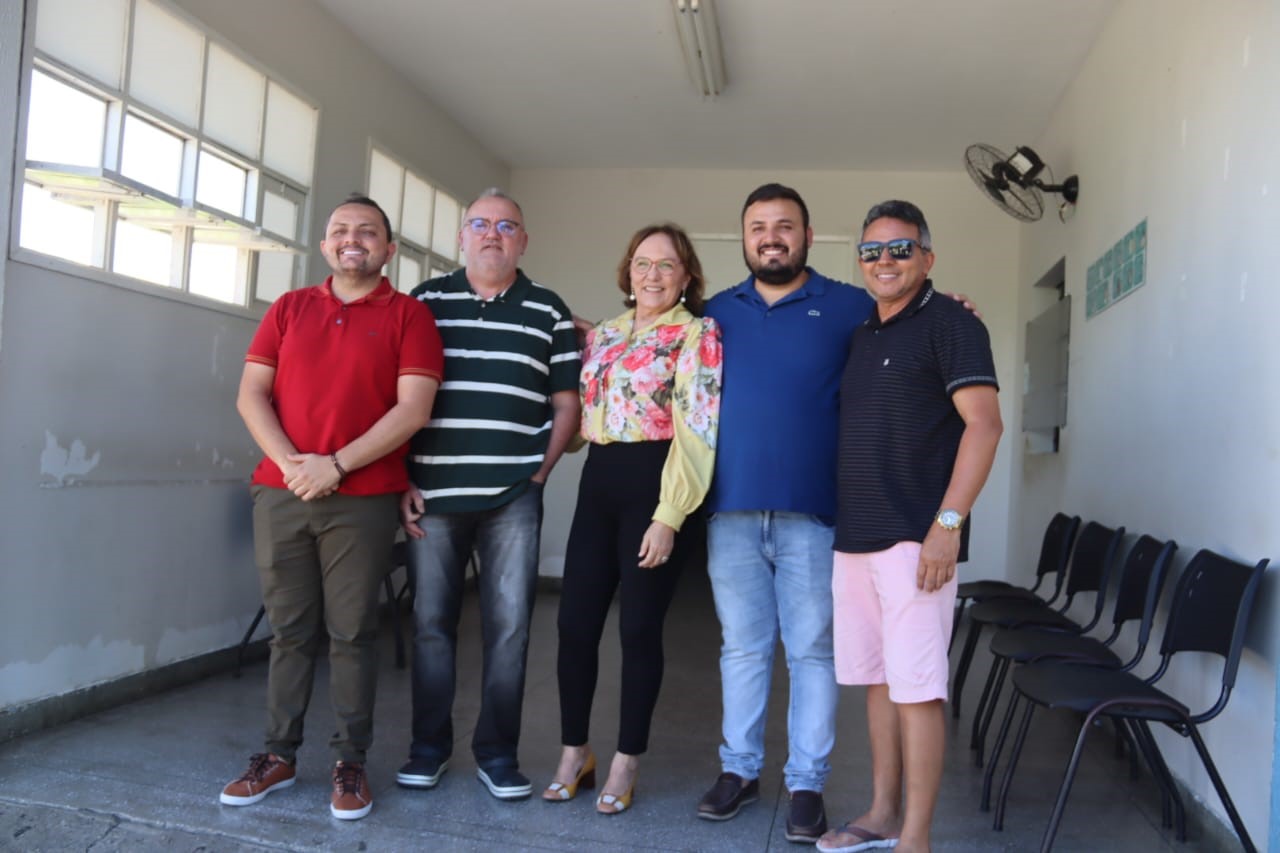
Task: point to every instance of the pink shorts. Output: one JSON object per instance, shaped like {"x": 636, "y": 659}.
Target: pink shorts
{"x": 886, "y": 630}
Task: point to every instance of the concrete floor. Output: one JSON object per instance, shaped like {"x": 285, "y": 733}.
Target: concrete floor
{"x": 146, "y": 776}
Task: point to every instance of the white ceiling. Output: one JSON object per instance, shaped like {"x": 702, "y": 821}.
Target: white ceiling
{"x": 812, "y": 84}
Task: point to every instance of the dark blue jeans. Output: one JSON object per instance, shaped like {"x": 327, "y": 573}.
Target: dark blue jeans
{"x": 506, "y": 542}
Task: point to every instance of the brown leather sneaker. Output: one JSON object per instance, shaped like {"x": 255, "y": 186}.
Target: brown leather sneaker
{"x": 266, "y": 773}
{"x": 351, "y": 797}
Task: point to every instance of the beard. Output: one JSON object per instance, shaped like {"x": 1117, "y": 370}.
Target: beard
{"x": 777, "y": 271}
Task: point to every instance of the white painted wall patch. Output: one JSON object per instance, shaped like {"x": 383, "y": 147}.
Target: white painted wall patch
{"x": 66, "y": 464}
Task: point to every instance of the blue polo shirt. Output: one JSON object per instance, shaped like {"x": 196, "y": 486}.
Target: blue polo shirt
{"x": 779, "y": 411}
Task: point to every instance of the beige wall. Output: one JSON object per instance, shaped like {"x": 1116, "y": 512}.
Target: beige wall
{"x": 1174, "y": 411}
{"x": 580, "y": 221}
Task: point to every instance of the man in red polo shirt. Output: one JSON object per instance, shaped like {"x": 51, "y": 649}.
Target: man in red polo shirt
{"x": 337, "y": 378}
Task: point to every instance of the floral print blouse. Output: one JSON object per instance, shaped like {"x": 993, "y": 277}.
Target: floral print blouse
{"x": 662, "y": 382}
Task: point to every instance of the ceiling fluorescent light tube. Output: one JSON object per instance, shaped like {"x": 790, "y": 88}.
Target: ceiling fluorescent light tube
{"x": 710, "y": 54}
{"x": 700, "y": 45}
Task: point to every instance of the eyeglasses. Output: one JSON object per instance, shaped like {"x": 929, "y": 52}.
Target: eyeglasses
{"x": 480, "y": 226}
{"x": 899, "y": 250}
{"x": 665, "y": 268}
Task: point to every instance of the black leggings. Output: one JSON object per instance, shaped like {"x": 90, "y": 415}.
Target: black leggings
{"x": 616, "y": 499}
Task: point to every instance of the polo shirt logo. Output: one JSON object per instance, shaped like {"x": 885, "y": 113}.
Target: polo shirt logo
{"x": 886, "y": 363}
{"x": 813, "y": 312}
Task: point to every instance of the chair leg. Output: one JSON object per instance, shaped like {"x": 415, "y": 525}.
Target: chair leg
{"x": 1218, "y": 785}
{"x": 1139, "y": 741}
{"x": 395, "y": 619}
{"x": 955, "y": 622}
{"x": 1064, "y": 790}
{"x": 989, "y": 776}
{"x": 962, "y": 668}
{"x": 987, "y": 707}
{"x": 1172, "y": 812}
{"x": 1007, "y": 782}
{"x": 244, "y": 641}
{"x": 1122, "y": 740}
{"x": 1124, "y": 743}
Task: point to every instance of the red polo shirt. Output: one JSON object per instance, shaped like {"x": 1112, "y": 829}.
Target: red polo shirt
{"x": 336, "y": 370}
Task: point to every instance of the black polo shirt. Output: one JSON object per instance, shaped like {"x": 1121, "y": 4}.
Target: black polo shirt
{"x": 899, "y": 430}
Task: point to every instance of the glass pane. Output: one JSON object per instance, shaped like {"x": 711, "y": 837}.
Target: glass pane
{"x": 409, "y": 275}
{"x": 167, "y": 64}
{"x": 279, "y": 215}
{"x": 220, "y": 184}
{"x": 85, "y": 34}
{"x": 217, "y": 272}
{"x": 142, "y": 252}
{"x": 233, "y": 102}
{"x": 151, "y": 155}
{"x": 275, "y": 275}
{"x": 417, "y": 210}
{"x": 55, "y": 227}
{"x": 385, "y": 176}
{"x": 444, "y": 230}
{"x": 290, "y": 142}
{"x": 65, "y": 125}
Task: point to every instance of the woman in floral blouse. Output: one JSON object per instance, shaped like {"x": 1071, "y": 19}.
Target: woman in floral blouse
{"x": 650, "y": 389}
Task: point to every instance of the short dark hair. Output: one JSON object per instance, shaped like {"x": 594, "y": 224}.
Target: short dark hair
{"x": 772, "y": 192}
{"x": 903, "y": 211}
{"x": 364, "y": 201}
{"x": 684, "y": 251}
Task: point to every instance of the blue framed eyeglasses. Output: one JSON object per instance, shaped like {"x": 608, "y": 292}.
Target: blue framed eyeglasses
{"x": 480, "y": 226}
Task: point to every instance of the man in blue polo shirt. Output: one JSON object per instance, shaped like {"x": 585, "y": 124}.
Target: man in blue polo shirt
{"x": 773, "y": 502}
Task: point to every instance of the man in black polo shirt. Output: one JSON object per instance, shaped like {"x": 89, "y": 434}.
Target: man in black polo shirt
{"x": 919, "y": 425}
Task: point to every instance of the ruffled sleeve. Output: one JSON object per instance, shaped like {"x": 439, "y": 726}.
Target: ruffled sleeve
{"x": 695, "y": 418}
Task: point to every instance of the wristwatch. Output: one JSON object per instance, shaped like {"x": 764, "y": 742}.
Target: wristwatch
{"x": 949, "y": 519}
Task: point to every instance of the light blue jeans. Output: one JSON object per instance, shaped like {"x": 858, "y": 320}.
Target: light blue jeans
{"x": 771, "y": 572}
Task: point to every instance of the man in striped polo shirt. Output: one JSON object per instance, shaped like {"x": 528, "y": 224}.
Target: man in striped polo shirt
{"x": 501, "y": 420}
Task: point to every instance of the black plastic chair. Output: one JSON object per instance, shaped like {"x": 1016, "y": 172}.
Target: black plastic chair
{"x": 1209, "y": 613}
{"x": 1055, "y": 549}
{"x": 1141, "y": 583}
{"x": 1090, "y": 562}
{"x": 1091, "y": 565}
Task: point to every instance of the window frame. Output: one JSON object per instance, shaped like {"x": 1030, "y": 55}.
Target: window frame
{"x": 426, "y": 255}
{"x": 188, "y": 215}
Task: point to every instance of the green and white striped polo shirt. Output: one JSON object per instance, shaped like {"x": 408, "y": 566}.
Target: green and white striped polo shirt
{"x": 503, "y": 359}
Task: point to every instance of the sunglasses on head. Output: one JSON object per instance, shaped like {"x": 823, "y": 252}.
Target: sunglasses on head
{"x": 899, "y": 250}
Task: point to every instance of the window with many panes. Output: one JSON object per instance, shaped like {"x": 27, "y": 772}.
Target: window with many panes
{"x": 156, "y": 152}
{"x": 423, "y": 217}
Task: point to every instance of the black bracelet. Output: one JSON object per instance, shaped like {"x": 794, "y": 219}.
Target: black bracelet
{"x": 342, "y": 472}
